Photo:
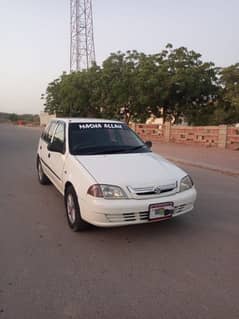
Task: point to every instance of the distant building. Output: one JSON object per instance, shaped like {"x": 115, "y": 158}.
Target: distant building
{"x": 154, "y": 120}
{"x": 45, "y": 118}
{"x": 159, "y": 121}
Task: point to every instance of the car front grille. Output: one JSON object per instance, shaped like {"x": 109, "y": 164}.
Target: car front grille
{"x": 153, "y": 191}
{"x": 142, "y": 216}
{"x": 127, "y": 217}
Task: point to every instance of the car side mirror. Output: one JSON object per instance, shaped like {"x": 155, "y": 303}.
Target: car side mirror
{"x": 149, "y": 144}
{"x": 55, "y": 147}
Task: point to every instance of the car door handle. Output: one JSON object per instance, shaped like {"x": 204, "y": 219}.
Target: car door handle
{"x": 49, "y": 155}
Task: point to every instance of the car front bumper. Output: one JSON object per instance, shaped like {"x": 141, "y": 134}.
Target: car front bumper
{"x": 110, "y": 213}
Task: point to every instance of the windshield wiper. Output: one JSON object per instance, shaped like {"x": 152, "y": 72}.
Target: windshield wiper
{"x": 119, "y": 150}
{"x": 87, "y": 150}
{"x": 109, "y": 151}
{"x": 136, "y": 148}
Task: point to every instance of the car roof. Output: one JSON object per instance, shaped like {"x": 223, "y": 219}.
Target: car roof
{"x": 84, "y": 120}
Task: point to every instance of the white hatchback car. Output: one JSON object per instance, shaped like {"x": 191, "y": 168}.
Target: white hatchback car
{"x": 109, "y": 176}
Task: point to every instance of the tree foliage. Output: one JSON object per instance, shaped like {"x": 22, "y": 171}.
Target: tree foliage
{"x": 26, "y": 118}
{"x": 229, "y": 98}
{"x": 176, "y": 81}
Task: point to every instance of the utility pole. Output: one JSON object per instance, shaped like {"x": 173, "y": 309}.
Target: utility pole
{"x": 82, "y": 46}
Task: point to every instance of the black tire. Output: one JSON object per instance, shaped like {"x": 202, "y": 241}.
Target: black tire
{"x": 73, "y": 214}
{"x": 43, "y": 179}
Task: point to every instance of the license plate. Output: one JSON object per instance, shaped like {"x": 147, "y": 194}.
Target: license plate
{"x": 161, "y": 211}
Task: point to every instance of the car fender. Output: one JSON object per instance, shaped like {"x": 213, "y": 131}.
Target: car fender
{"x": 76, "y": 174}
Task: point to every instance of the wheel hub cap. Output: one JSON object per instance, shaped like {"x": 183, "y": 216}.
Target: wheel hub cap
{"x": 71, "y": 208}
{"x": 40, "y": 172}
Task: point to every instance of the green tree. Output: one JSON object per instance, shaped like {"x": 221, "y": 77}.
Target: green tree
{"x": 190, "y": 85}
{"x": 176, "y": 80}
{"x": 229, "y": 101}
{"x": 13, "y": 117}
{"x": 120, "y": 87}
{"x": 75, "y": 94}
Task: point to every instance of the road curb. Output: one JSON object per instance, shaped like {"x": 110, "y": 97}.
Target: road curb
{"x": 221, "y": 170}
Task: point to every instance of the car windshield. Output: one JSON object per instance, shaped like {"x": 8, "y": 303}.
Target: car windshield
{"x": 103, "y": 138}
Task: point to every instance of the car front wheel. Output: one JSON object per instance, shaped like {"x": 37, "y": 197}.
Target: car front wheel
{"x": 73, "y": 214}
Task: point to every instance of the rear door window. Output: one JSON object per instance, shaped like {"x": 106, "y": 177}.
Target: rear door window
{"x": 59, "y": 136}
{"x": 48, "y": 132}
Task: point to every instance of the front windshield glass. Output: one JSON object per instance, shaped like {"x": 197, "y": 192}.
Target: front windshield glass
{"x": 103, "y": 138}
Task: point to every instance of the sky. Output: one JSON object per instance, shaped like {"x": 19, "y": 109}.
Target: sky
{"x": 35, "y": 36}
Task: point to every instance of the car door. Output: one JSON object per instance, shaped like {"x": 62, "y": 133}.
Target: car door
{"x": 56, "y": 158}
{"x": 45, "y": 139}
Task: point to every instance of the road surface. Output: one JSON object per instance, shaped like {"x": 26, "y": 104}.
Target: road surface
{"x": 186, "y": 268}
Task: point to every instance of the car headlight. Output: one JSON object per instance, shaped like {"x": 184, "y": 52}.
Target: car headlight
{"x": 186, "y": 183}
{"x": 107, "y": 191}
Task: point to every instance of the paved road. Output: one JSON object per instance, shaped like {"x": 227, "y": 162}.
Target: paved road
{"x": 186, "y": 268}
{"x": 221, "y": 160}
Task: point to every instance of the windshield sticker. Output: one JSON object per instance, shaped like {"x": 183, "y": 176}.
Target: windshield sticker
{"x": 100, "y": 126}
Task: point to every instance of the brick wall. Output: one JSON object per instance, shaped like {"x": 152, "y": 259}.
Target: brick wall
{"x": 232, "y": 138}
{"x": 207, "y": 136}
{"x": 222, "y": 136}
{"x": 152, "y": 132}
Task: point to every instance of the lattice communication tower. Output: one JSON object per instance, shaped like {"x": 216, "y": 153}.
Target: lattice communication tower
{"x": 82, "y": 49}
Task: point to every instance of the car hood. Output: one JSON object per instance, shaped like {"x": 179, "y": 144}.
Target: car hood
{"x": 136, "y": 170}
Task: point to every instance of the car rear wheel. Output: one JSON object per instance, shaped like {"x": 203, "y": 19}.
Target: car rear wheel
{"x": 43, "y": 179}
{"x": 73, "y": 214}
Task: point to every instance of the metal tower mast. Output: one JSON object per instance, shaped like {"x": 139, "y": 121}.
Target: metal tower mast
{"x": 82, "y": 35}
